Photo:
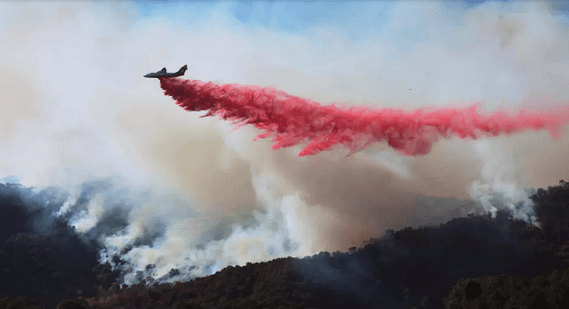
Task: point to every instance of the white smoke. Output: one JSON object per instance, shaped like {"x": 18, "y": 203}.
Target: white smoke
{"x": 171, "y": 196}
{"x": 498, "y": 188}
{"x": 183, "y": 251}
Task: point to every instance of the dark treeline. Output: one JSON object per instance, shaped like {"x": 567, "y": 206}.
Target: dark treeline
{"x": 459, "y": 264}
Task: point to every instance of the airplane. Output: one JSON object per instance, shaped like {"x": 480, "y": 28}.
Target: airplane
{"x": 163, "y": 74}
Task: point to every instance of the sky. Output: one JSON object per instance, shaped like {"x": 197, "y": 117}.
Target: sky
{"x": 197, "y": 194}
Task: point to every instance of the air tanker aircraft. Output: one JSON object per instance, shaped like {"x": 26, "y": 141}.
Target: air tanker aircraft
{"x": 163, "y": 74}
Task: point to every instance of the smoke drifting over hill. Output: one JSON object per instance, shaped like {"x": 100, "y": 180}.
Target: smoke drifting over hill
{"x": 168, "y": 196}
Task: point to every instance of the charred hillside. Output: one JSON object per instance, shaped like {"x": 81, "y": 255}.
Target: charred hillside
{"x": 403, "y": 269}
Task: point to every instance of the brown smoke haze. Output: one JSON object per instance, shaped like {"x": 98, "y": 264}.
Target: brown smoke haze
{"x": 200, "y": 194}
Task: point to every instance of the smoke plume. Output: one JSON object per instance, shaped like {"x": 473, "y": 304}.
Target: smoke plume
{"x": 169, "y": 196}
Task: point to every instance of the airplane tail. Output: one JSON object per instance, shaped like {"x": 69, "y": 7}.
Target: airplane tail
{"x": 183, "y": 69}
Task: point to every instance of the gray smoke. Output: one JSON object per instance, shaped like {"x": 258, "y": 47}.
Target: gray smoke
{"x": 171, "y": 196}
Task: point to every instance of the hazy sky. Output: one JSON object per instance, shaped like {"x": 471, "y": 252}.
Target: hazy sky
{"x": 75, "y": 109}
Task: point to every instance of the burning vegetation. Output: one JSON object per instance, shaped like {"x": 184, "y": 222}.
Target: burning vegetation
{"x": 474, "y": 262}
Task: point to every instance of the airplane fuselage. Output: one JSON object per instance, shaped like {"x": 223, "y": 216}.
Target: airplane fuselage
{"x": 163, "y": 74}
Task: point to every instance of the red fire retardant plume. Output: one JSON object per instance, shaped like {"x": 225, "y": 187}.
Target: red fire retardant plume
{"x": 292, "y": 120}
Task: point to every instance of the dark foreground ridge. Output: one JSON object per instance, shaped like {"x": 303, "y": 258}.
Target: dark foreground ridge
{"x": 542, "y": 291}
{"x": 472, "y": 262}
{"x": 42, "y": 260}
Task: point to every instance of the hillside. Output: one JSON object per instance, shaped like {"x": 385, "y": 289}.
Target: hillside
{"x": 429, "y": 267}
